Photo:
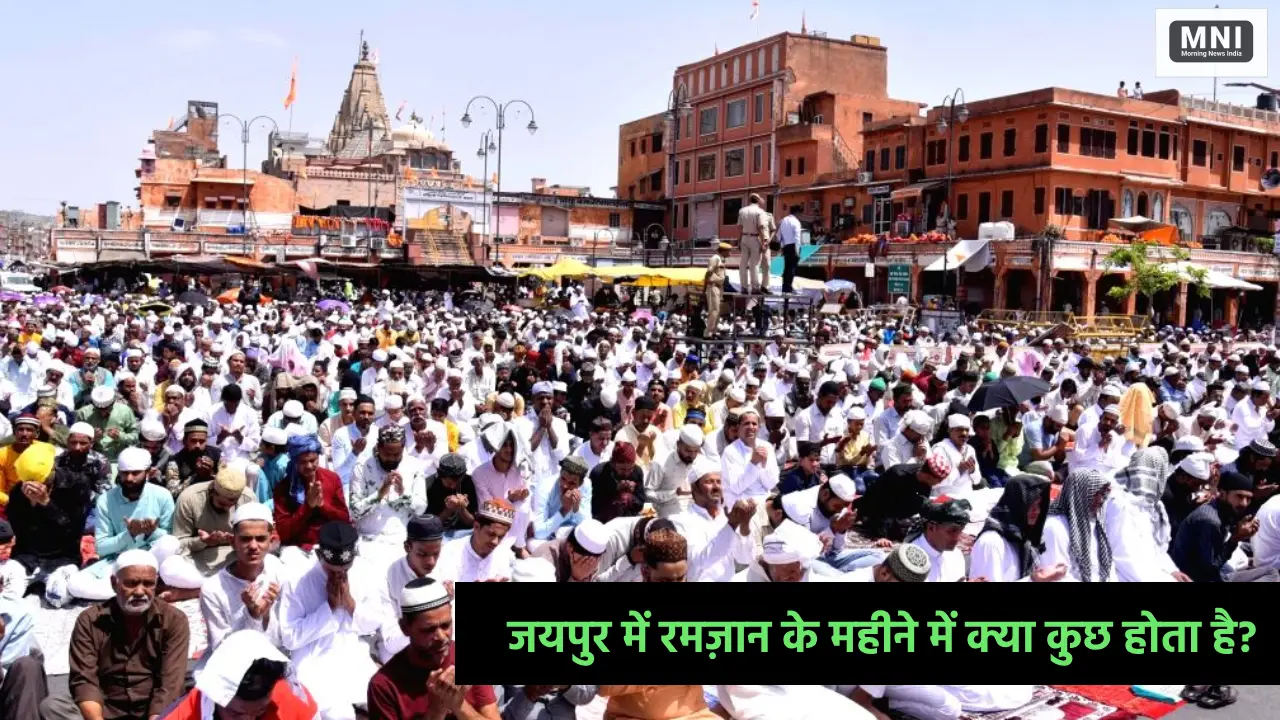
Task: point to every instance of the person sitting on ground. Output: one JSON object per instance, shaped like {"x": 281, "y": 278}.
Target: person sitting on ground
{"x": 246, "y": 677}
{"x": 202, "y": 525}
{"x": 451, "y": 496}
{"x": 576, "y": 556}
{"x": 421, "y": 552}
{"x": 24, "y": 686}
{"x": 196, "y": 462}
{"x": 888, "y": 506}
{"x": 483, "y": 556}
{"x": 242, "y": 594}
{"x": 306, "y": 499}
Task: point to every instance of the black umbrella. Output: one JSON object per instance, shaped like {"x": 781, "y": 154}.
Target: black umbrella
{"x": 191, "y": 297}
{"x": 1010, "y": 392}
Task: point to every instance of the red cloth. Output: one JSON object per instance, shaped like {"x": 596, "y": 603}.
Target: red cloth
{"x": 284, "y": 705}
{"x": 298, "y": 523}
{"x": 1120, "y": 696}
{"x": 88, "y": 550}
{"x": 399, "y": 690}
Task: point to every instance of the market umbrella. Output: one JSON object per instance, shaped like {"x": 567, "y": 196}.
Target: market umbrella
{"x": 156, "y": 306}
{"x": 838, "y": 286}
{"x": 46, "y": 299}
{"x": 191, "y": 297}
{"x": 331, "y": 304}
{"x": 229, "y": 296}
{"x": 1010, "y": 392}
{"x": 10, "y": 296}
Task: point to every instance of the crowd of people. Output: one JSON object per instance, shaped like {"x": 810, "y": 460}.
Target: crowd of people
{"x": 321, "y": 481}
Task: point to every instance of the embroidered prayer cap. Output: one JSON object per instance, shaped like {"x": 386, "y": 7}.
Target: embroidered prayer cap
{"x": 82, "y": 428}
{"x": 135, "y": 558}
{"x": 1113, "y": 410}
{"x": 391, "y": 434}
{"x": 532, "y": 569}
{"x": 424, "y": 528}
{"x": 1198, "y": 465}
{"x": 938, "y": 465}
{"x": 1262, "y": 448}
{"x": 133, "y": 459}
{"x": 103, "y": 396}
{"x": 452, "y": 465}
{"x": 337, "y": 544}
{"x": 951, "y": 512}
{"x": 293, "y": 409}
{"x": 498, "y": 510}
{"x": 908, "y": 563}
{"x": 1234, "y": 481}
{"x": 958, "y": 421}
{"x": 574, "y": 465}
{"x": 423, "y": 594}
{"x": 254, "y": 511}
{"x": 46, "y": 391}
{"x": 26, "y": 419}
{"x": 624, "y": 451}
{"x": 592, "y": 536}
{"x": 843, "y": 487}
{"x": 790, "y": 543}
{"x": 274, "y": 435}
{"x": 692, "y": 436}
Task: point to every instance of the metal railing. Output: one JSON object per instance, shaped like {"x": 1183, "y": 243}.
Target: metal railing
{"x": 220, "y": 218}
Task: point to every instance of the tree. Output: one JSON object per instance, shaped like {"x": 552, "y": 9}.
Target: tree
{"x": 1153, "y": 269}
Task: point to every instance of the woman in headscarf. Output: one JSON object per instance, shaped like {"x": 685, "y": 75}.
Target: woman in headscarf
{"x": 1136, "y": 522}
{"x": 305, "y": 499}
{"x": 246, "y": 677}
{"x": 1074, "y": 534}
{"x": 1009, "y": 546}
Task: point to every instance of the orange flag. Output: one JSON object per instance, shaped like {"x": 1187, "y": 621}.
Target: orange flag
{"x": 434, "y": 173}
{"x": 293, "y": 86}
{"x": 495, "y": 178}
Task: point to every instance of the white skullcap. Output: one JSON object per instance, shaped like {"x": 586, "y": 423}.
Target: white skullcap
{"x": 293, "y": 409}
{"x": 1170, "y": 410}
{"x": 775, "y": 409}
{"x": 544, "y": 388}
{"x": 133, "y": 459}
{"x": 1172, "y": 371}
{"x": 918, "y": 421}
{"x": 753, "y": 381}
{"x": 592, "y": 535}
{"x": 132, "y": 353}
{"x": 506, "y": 400}
{"x": 1241, "y": 369}
{"x": 533, "y": 569}
{"x": 560, "y": 386}
{"x": 150, "y": 430}
{"x": 692, "y": 436}
{"x": 454, "y": 373}
{"x": 840, "y": 378}
{"x": 380, "y": 355}
{"x": 103, "y": 396}
{"x": 702, "y": 467}
{"x": 628, "y": 376}
{"x": 135, "y": 558}
{"x": 1132, "y": 366}
{"x": 252, "y": 511}
{"x": 803, "y": 374}
{"x": 609, "y": 397}
{"x": 396, "y": 364}
{"x": 442, "y": 363}
{"x": 856, "y": 412}
{"x": 1111, "y": 410}
{"x": 959, "y": 421}
{"x": 789, "y": 543}
{"x": 348, "y": 393}
{"x": 727, "y": 375}
{"x": 738, "y": 395}
{"x": 274, "y": 435}
{"x": 1197, "y": 465}
{"x": 1261, "y": 385}
{"x": 394, "y": 402}
{"x": 293, "y": 430}
{"x": 1189, "y": 442}
{"x": 82, "y": 428}
{"x": 1059, "y": 414}
{"x": 843, "y": 487}
{"x": 1111, "y": 389}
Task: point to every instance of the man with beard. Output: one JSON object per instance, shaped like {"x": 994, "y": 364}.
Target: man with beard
{"x": 576, "y": 556}
{"x": 1184, "y": 491}
{"x": 306, "y": 499}
{"x": 25, "y": 429}
{"x": 202, "y": 525}
{"x": 716, "y": 538}
{"x": 323, "y": 615}
{"x": 667, "y": 483}
{"x": 273, "y": 460}
{"x": 423, "y": 541}
{"x": 786, "y": 556}
{"x": 128, "y": 655}
{"x": 23, "y": 373}
{"x": 387, "y": 490}
{"x": 825, "y": 511}
{"x": 350, "y": 442}
{"x": 1209, "y": 535}
{"x": 428, "y": 439}
{"x": 195, "y": 462}
{"x": 114, "y": 424}
{"x": 939, "y": 532}
{"x": 242, "y": 594}
{"x": 133, "y": 515}
{"x": 451, "y": 496}
{"x": 235, "y": 426}
{"x": 643, "y": 434}
{"x": 483, "y": 556}
{"x": 617, "y": 487}
{"x": 565, "y": 503}
{"x": 251, "y": 390}
{"x": 418, "y": 682}
{"x": 749, "y": 463}
{"x": 49, "y": 517}
{"x": 546, "y": 437}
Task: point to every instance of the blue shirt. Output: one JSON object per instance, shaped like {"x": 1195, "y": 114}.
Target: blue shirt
{"x": 272, "y": 473}
{"x": 18, "y": 626}
{"x": 113, "y": 510}
{"x": 796, "y": 480}
{"x": 550, "y": 516}
{"x": 1034, "y": 438}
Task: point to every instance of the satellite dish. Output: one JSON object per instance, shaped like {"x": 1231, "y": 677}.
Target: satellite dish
{"x": 1271, "y": 179}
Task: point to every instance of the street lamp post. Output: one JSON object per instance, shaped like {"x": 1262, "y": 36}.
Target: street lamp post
{"x": 245, "y": 126}
{"x": 678, "y": 108}
{"x": 595, "y": 241}
{"x": 486, "y": 147}
{"x": 955, "y": 116}
{"x": 501, "y": 118}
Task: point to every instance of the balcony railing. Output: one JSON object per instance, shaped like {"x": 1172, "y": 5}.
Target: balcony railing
{"x": 220, "y": 218}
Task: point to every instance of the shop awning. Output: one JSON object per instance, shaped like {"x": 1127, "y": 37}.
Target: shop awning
{"x": 564, "y": 267}
{"x": 973, "y": 255}
{"x": 914, "y": 189}
{"x": 1216, "y": 280}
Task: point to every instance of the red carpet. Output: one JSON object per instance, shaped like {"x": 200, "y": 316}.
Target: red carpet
{"x": 1123, "y": 698}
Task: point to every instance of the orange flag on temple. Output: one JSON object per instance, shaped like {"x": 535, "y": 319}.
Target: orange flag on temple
{"x": 410, "y": 175}
{"x": 293, "y": 86}
{"x": 468, "y": 181}
{"x": 434, "y": 174}
{"x": 495, "y": 179}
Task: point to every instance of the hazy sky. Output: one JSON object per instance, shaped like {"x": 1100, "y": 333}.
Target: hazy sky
{"x": 86, "y": 82}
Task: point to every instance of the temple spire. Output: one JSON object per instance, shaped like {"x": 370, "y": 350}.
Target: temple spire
{"x": 361, "y": 102}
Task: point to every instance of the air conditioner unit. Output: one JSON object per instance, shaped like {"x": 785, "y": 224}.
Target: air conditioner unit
{"x": 377, "y": 243}
{"x": 817, "y": 119}
{"x": 864, "y": 176}
{"x": 179, "y": 225}
{"x": 349, "y": 241}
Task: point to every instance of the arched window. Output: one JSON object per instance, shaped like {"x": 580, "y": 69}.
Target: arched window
{"x": 1180, "y": 216}
{"x": 1126, "y": 204}
{"x": 1216, "y": 220}
{"x": 1157, "y": 207}
{"x": 1142, "y": 204}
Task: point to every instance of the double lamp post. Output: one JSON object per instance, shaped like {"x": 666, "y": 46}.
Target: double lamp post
{"x": 487, "y": 144}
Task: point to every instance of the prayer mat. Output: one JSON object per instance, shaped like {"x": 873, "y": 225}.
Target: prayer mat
{"x": 1123, "y": 698}
{"x": 53, "y": 628}
{"x": 1073, "y": 707}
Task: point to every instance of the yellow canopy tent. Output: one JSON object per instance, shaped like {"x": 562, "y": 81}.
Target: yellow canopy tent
{"x": 653, "y": 277}
{"x": 564, "y": 267}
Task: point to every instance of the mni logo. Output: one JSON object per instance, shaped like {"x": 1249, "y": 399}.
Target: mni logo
{"x": 1211, "y": 41}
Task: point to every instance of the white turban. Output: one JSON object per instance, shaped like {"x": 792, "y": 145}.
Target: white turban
{"x": 790, "y": 543}
{"x": 134, "y": 459}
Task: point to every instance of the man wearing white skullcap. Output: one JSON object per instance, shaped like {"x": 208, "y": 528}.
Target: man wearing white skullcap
{"x": 575, "y": 557}
{"x": 235, "y": 427}
{"x": 825, "y": 510}
{"x": 375, "y": 372}
{"x": 545, "y": 436}
{"x": 717, "y": 537}
{"x": 787, "y": 553}
{"x": 910, "y": 443}
{"x": 345, "y": 416}
{"x": 667, "y": 482}
{"x": 250, "y": 387}
{"x": 1101, "y": 446}
{"x": 1255, "y": 417}
{"x": 964, "y": 459}
{"x": 293, "y": 412}
{"x": 114, "y": 423}
{"x": 252, "y": 573}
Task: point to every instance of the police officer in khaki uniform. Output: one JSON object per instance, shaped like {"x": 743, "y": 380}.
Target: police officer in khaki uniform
{"x": 756, "y": 225}
{"x": 714, "y": 284}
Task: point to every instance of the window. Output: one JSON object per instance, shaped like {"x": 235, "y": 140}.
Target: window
{"x": 786, "y": 168}
{"x": 1149, "y": 141}
{"x": 800, "y": 166}
{"x": 1039, "y": 201}
{"x": 984, "y": 207}
{"x": 1199, "y": 151}
{"x": 1097, "y": 143}
{"x": 1062, "y": 202}
{"x": 615, "y": 220}
{"x": 708, "y": 121}
{"x": 984, "y": 146}
{"x": 884, "y": 159}
{"x": 1275, "y": 159}
{"x": 1064, "y": 138}
{"x": 730, "y": 206}
{"x": 962, "y": 207}
{"x": 655, "y": 181}
{"x": 1142, "y": 204}
{"x": 706, "y": 167}
{"x": 867, "y": 211}
{"x": 1042, "y": 138}
{"x": 735, "y": 114}
{"x": 171, "y": 201}
{"x": 963, "y": 149}
{"x": 867, "y": 118}
{"x": 735, "y": 162}
{"x": 1010, "y": 141}
{"x": 1131, "y": 142}
{"x": 643, "y": 141}
{"x": 1126, "y": 203}
{"x": 633, "y": 148}
{"x": 1180, "y": 216}
{"x": 655, "y": 142}
{"x": 686, "y": 172}
{"x": 1165, "y": 147}
{"x": 684, "y": 215}
{"x": 757, "y": 158}
{"x": 1237, "y": 158}
{"x": 935, "y": 152}
{"x": 1157, "y": 207}
{"x": 1099, "y": 207}
{"x": 759, "y": 108}
{"x": 870, "y": 163}
{"x": 900, "y": 157}
{"x": 1006, "y": 203}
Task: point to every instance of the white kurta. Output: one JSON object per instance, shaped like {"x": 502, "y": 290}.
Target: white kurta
{"x": 224, "y": 611}
{"x": 745, "y": 479}
{"x": 1251, "y": 423}
{"x": 246, "y": 421}
{"x": 1134, "y": 552}
{"x": 943, "y": 566}
{"x": 713, "y": 545}
{"x": 994, "y": 558}
{"x": 1057, "y": 545}
{"x": 1090, "y": 455}
{"x": 661, "y": 482}
{"x": 383, "y": 523}
{"x": 391, "y": 639}
{"x": 460, "y": 563}
{"x": 959, "y": 482}
{"x": 324, "y": 645}
{"x": 545, "y": 459}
